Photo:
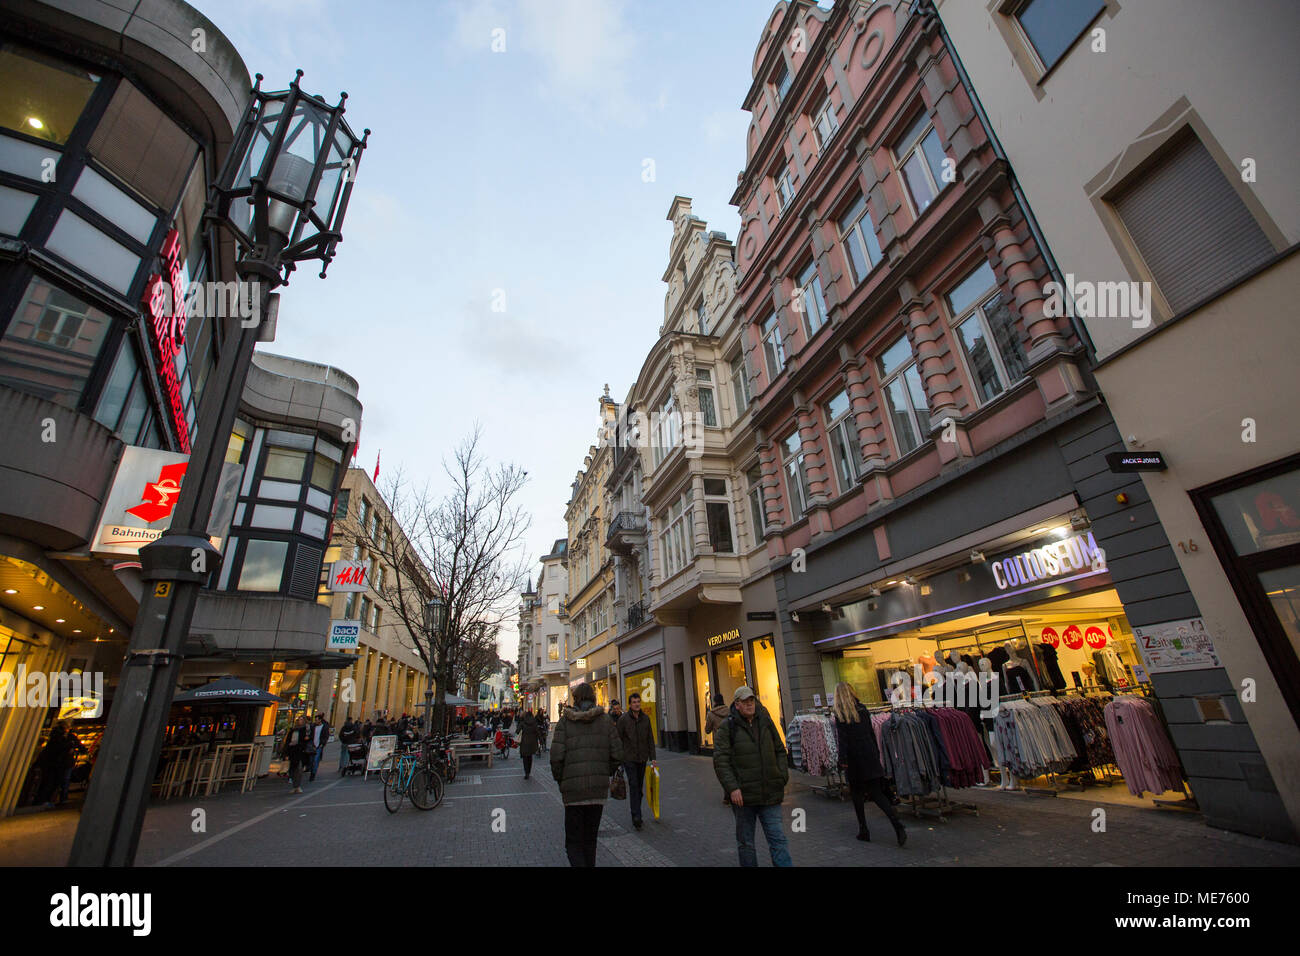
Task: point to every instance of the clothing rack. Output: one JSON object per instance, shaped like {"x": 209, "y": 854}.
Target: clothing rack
{"x": 835, "y": 785}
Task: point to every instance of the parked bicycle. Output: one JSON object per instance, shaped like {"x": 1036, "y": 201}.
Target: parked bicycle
{"x": 412, "y": 774}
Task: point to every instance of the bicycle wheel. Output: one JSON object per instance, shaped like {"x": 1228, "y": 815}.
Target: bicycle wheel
{"x": 394, "y": 790}
{"x": 385, "y": 768}
{"x": 426, "y": 788}
{"x": 449, "y": 770}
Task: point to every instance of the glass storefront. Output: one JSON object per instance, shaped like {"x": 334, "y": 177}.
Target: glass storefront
{"x": 729, "y": 668}
{"x": 703, "y": 697}
{"x": 767, "y": 683}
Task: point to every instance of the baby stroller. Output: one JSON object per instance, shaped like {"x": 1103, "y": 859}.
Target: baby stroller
{"x": 356, "y": 758}
{"x": 504, "y": 741}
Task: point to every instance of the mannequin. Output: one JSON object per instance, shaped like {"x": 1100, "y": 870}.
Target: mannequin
{"x": 1019, "y": 675}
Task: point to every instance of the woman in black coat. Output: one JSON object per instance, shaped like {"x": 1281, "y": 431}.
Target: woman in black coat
{"x": 860, "y": 758}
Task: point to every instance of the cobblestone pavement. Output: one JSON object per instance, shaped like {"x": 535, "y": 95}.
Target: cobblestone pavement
{"x": 497, "y": 818}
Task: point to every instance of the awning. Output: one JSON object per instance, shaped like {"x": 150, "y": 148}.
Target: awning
{"x": 227, "y": 690}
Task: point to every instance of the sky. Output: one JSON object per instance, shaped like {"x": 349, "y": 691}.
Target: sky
{"x": 515, "y": 179}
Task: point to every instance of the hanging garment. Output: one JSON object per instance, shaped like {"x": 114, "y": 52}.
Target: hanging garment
{"x": 1047, "y": 654}
{"x": 966, "y": 754}
{"x": 1032, "y": 738}
{"x": 1018, "y": 680}
{"x": 909, "y": 754}
{"x": 817, "y": 743}
{"x": 1143, "y": 752}
{"x": 792, "y": 745}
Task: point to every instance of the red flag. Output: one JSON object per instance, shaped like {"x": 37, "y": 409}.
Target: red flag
{"x": 376, "y": 478}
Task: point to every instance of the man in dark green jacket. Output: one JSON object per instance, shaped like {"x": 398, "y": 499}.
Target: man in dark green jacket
{"x": 638, "y": 740}
{"x": 584, "y": 755}
{"x": 750, "y": 761}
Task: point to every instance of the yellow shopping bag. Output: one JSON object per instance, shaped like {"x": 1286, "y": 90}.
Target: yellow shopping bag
{"x": 652, "y": 789}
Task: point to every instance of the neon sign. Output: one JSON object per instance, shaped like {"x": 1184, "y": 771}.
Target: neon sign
{"x": 164, "y": 302}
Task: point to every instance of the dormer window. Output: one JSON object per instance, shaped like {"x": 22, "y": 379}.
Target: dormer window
{"x": 782, "y": 82}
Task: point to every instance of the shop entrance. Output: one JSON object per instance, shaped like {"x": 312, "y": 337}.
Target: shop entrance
{"x": 703, "y": 696}
{"x": 729, "y": 667}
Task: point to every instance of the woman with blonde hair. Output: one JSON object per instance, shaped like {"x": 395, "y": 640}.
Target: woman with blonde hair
{"x": 860, "y": 758}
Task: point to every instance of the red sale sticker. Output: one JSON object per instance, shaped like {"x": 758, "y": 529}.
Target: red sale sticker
{"x": 1096, "y": 640}
{"x": 1049, "y": 636}
{"x": 1073, "y": 637}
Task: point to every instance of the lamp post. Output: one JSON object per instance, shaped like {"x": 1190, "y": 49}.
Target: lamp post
{"x": 282, "y": 194}
{"x": 435, "y": 619}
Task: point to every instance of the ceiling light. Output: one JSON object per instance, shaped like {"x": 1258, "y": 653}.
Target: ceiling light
{"x": 38, "y": 607}
{"x": 76, "y": 630}
{"x": 59, "y": 620}
{"x": 35, "y": 123}
{"x": 977, "y": 557}
{"x": 874, "y": 593}
{"x": 11, "y": 590}
{"x": 909, "y": 580}
{"x": 1062, "y": 532}
{"x": 1039, "y": 531}
{"x": 887, "y": 583}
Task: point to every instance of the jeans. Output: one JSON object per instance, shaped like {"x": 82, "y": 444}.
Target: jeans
{"x": 315, "y": 761}
{"x": 581, "y": 824}
{"x": 770, "y": 817}
{"x": 635, "y": 773}
{"x": 343, "y": 755}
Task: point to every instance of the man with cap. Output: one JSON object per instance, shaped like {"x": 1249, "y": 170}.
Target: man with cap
{"x": 750, "y": 761}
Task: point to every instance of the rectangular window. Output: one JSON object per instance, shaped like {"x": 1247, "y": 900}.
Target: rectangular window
{"x": 814, "y": 302}
{"x": 717, "y": 512}
{"x": 858, "y": 235}
{"x": 825, "y": 124}
{"x": 796, "y": 475}
{"x": 263, "y": 567}
{"x": 365, "y": 612}
{"x": 44, "y": 97}
{"x": 988, "y": 335}
{"x": 322, "y": 472}
{"x": 92, "y": 251}
{"x": 708, "y": 408}
{"x": 553, "y": 648}
{"x": 350, "y": 606}
{"x": 846, "y": 452}
{"x": 739, "y": 384}
{"x": 51, "y": 344}
{"x": 668, "y": 429}
{"x": 908, "y": 409}
{"x": 676, "y": 540}
{"x": 754, "y": 478}
{"x": 920, "y": 160}
{"x": 784, "y": 190}
{"x": 1052, "y": 26}
{"x": 285, "y": 464}
{"x": 1191, "y": 228}
{"x": 702, "y": 317}
{"x": 782, "y": 82}
{"x": 773, "y": 349}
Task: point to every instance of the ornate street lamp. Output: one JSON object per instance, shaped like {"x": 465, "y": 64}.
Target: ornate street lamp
{"x": 282, "y": 194}
{"x": 435, "y": 619}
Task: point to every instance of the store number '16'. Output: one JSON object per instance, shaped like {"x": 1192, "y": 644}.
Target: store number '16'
{"x": 1188, "y": 546}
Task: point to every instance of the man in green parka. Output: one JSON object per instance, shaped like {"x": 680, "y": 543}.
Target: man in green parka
{"x": 750, "y": 761}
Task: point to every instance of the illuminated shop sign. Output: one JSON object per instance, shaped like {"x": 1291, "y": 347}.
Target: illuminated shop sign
{"x": 724, "y": 637}
{"x": 1076, "y": 553}
{"x": 348, "y": 576}
{"x": 164, "y": 303}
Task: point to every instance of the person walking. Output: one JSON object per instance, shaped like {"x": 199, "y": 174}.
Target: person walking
{"x": 584, "y": 755}
{"x": 528, "y": 733}
{"x": 860, "y": 758}
{"x": 638, "y": 741}
{"x": 543, "y": 726}
{"x": 615, "y": 711}
{"x": 320, "y": 735}
{"x": 297, "y": 748}
{"x": 57, "y": 753}
{"x": 713, "y": 720}
{"x": 750, "y": 762}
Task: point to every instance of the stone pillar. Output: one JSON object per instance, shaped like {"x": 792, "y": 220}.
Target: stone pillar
{"x": 862, "y": 400}
{"x": 699, "y": 518}
{"x": 815, "y": 465}
{"x": 769, "y": 464}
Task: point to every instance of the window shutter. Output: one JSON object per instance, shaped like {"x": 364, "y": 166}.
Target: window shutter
{"x": 141, "y": 145}
{"x": 1192, "y": 229}
{"x": 305, "y": 578}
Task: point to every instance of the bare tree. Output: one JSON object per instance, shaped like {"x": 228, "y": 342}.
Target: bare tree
{"x": 466, "y": 547}
{"x": 480, "y": 656}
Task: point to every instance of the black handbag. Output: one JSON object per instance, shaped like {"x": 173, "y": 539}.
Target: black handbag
{"x": 618, "y": 785}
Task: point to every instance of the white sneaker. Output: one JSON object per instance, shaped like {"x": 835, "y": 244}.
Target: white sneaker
{"x": 297, "y": 790}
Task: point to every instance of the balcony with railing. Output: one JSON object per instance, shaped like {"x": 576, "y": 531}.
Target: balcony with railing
{"x": 626, "y": 532}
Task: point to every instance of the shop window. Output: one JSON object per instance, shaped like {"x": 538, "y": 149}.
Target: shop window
{"x": 43, "y": 97}
{"x": 717, "y": 511}
{"x": 773, "y": 349}
{"x": 93, "y": 252}
{"x": 920, "y": 159}
{"x": 1191, "y": 228}
{"x": 263, "y": 568}
{"x": 858, "y": 236}
{"x": 704, "y": 385}
{"x": 51, "y": 344}
{"x": 796, "y": 475}
{"x": 285, "y": 464}
{"x": 814, "y": 301}
{"x": 845, "y": 448}
{"x": 901, "y": 383}
{"x": 143, "y": 147}
{"x": 553, "y": 648}
{"x": 987, "y": 331}
{"x": 15, "y": 206}
{"x": 1053, "y": 26}
{"x": 754, "y": 477}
